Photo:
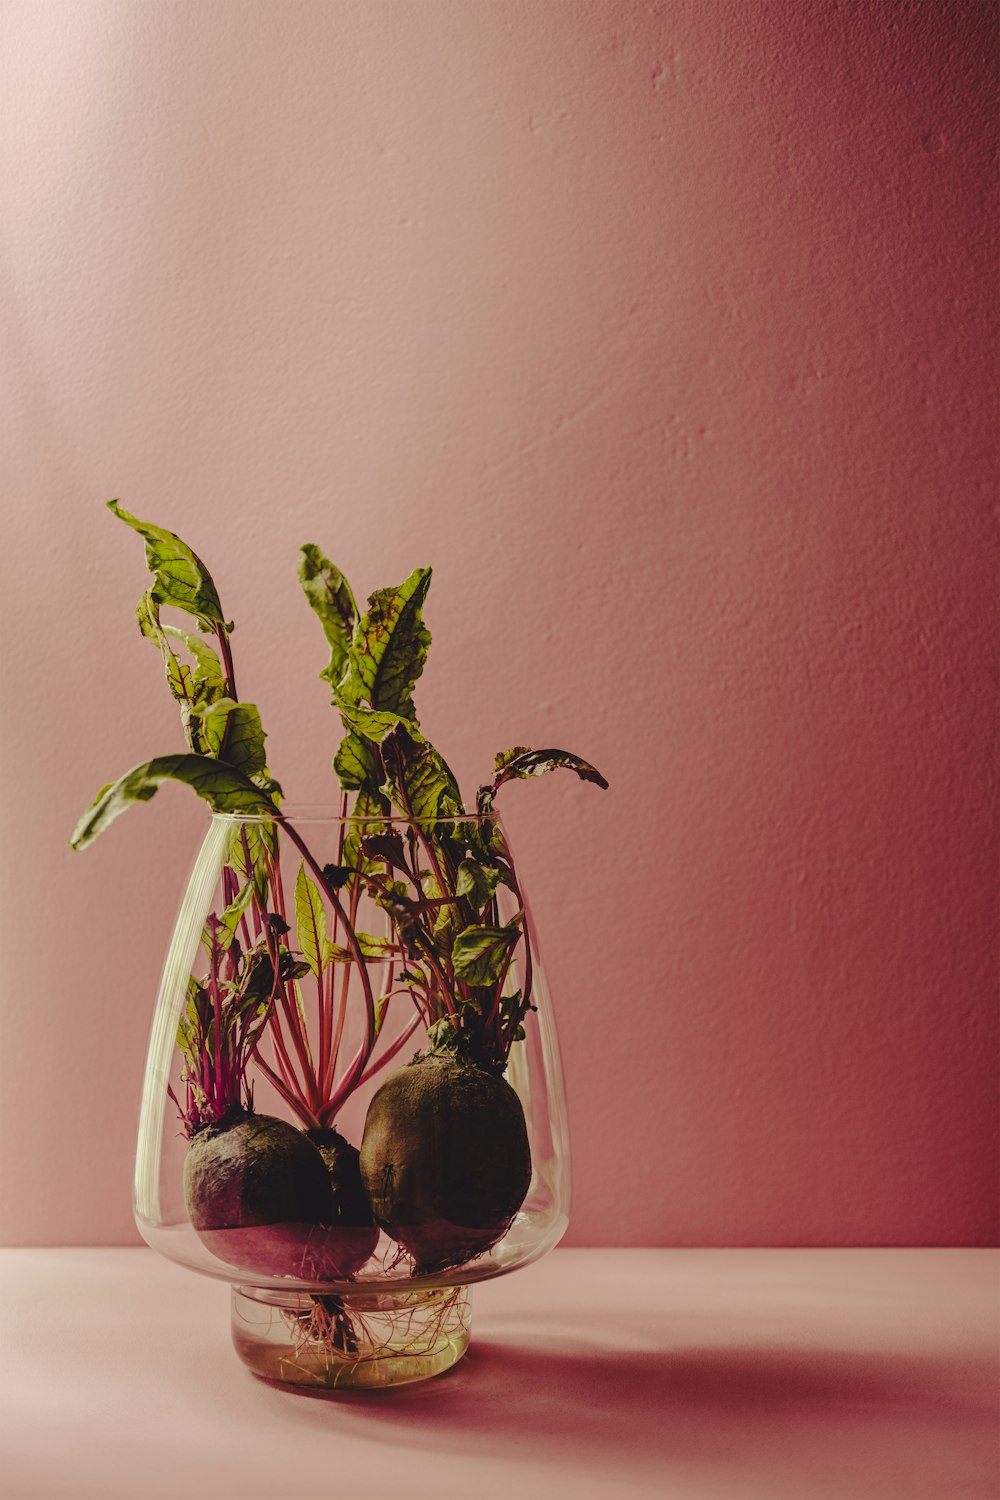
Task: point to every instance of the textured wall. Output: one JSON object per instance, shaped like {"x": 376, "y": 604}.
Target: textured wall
{"x": 663, "y": 332}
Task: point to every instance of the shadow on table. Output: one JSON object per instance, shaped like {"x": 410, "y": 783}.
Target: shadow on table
{"x": 642, "y": 1411}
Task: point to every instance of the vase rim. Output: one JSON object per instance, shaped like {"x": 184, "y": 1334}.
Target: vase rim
{"x": 319, "y": 812}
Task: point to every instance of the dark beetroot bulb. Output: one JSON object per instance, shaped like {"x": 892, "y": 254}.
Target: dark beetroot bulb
{"x": 256, "y": 1188}
{"x": 340, "y": 1246}
{"x": 445, "y": 1159}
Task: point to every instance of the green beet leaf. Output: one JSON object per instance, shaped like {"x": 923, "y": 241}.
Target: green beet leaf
{"x": 180, "y": 678}
{"x": 386, "y": 848}
{"x": 233, "y": 732}
{"x": 504, "y": 757}
{"x": 252, "y": 847}
{"x": 330, "y": 596}
{"x": 310, "y": 918}
{"x": 476, "y": 881}
{"x": 479, "y": 953}
{"x": 196, "y": 684}
{"x": 367, "y": 806}
{"x": 207, "y": 674}
{"x": 389, "y": 647}
{"x": 520, "y": 763}
{"x": 381, "y": 1006}
{"x": 222, "y": 930}
{"x": 354, "y": 764}
{"x": 418, "y": 781}
{"x": 258, "y": 983}
{"x": 225, "y": 789}
{"x": 371, "y": 947}
{"x": 181, "y": 577}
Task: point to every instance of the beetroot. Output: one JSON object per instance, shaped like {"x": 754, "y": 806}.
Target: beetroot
{"x": 341, "y": 1246}
{"x": 254, "y": 1188}
{"x": 445, "y": 1159}
{"x": 266, "y": 1199}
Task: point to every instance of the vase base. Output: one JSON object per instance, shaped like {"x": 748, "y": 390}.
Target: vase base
{"x": 362, "y": 1341}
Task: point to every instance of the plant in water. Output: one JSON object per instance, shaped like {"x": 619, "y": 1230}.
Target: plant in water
{"x": 444, "y": 1162}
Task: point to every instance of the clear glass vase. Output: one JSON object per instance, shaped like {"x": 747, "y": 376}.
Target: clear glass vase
{"x": 353, "y": 1105}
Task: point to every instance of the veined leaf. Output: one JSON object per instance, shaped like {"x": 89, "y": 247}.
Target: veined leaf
{"x": 478, "y": 954}
{"x": 477, "y": 881}
{"x": 223, "y": 928}
{"x": 520, "y": 763}
{"x": 181, "y": 577}
{"x": 443, "y": 1034}
{"x": 224, "y": 788}
{"x": 180, "y": 678}
{"x": 371, "y": 947}
{"x": 354, "y": 763}
{"x": 367, "y": 806}
{"x": 194, "y": 1020}
{"x": 386, "y": 848}
{"x": 196, "y": 684}
{"x": 249, "y": 848}
{"x": 330, "y": 596}
{"x": 389, "y": 647}
{"x": 310, "y": 918}
{"x": 504, "y": 757}
{"x": 209, "y": 678}
{"x": 236, "y": 729}
{"x": 381, "y": 1005}
{"x": 259, "y": 981}
{"x": 471, "y": 835}
{"x": 369, "y": 723}
{"x": 446, "y": 924}
{"x": 376, "y": 947}
{"x": 419, "y": 783}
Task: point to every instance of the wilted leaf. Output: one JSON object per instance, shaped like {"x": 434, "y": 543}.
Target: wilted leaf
{"x": 520, "y": 763}
{"x": 225, "y": 789}
{"x": 181, "y": 577}
{"x": 389, "y": 647}
{"x": 330, "y": 596}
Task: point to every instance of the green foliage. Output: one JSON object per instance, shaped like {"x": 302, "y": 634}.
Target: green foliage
{"x": 370, "y": 946}
{"x": 232, "y": 731}
{"x": 181, "y": 577}
{"x": 310, "y": 918}
{"x": 225, "y": 789}
{"x": 355, "y": 764}
{"x": 252, "y": 849}
{"x": 418, "y": 781}
{"x": 480, "y": 953}
{"x": 438, "y": 881}
{"x": 367, "y": 806}
{"x": 520, "y": 763}
{"x": 330, "y": 596}
{"x": 196, "y": 684}
{"x": 477, "y": 882}
{"x": 389, "y": 647}
{"x": 220, "y": 932}
{"x": 445, "y": 915}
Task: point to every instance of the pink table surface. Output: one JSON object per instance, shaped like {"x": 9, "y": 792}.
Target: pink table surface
{"x": 869, "y": 1374}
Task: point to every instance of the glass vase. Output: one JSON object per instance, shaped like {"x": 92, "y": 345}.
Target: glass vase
{"x": 353, "y": 1105}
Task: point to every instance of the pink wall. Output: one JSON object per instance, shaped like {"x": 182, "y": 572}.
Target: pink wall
{"x": 663, "y": 332}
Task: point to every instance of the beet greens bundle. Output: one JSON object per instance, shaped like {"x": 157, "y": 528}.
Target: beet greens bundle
{"x": 411, "y": 846}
